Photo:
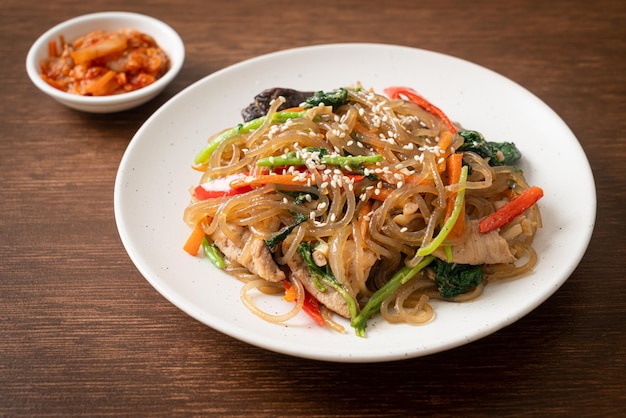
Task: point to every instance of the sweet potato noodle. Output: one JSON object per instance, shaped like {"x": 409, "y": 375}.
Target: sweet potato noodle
{"x": 365, "y": 205}
{"x": 104, "y": 63}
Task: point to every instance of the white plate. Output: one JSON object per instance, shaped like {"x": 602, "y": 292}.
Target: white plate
{"x": 154, "y": 177}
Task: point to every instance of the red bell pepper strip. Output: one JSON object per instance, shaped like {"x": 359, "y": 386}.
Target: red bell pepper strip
{"x": 220, "y": 187}
{"x": 311, "y": 305}
{"x": 409, "y": 93}
{"x": 511, "y": 210}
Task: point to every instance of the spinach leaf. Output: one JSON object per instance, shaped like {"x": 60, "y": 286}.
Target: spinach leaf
{"x": 475, "y": 141}
{"x": 332, "y": 98}
{"x": 275, "y": 241}
{"x": 455, "y": 279}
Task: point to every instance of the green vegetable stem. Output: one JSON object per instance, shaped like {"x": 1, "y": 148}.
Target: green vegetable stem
{"x": 373, "y": 304}
{"x": 243, "y": 128}
{"x": 213, "y": 253}
{"x": 326, "y": 276}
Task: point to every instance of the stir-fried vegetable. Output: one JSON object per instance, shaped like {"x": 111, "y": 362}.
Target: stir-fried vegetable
{"x": 331, "y": 98}
{"x": 324, "y": 276}
{"x": 311, "y": 306}
{"x": 497, "y": 153}
{"x": 213, "y": 253}
{"x": 511, "y": 210}
{"x": 243, "y": 128}
{"x": 275, "y": 241}
{"x": 454, "y": 167}
{"x": 292, "y": 159}
{"x": 220, "y": 187}
{"x": 449, "y": 224}
{"x": 410, "y": 94}
{"x": 455, "y": 279}
{"x": 373, "y": 304}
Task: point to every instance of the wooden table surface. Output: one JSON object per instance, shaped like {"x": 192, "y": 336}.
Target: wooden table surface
{"x": 83, "y": 333}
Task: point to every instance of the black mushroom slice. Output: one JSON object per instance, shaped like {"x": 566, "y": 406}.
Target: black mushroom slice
{"x": 262, "y": 101}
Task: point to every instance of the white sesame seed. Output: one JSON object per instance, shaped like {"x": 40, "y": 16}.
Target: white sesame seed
{"x": 333, "y": 217}
{"x": 404, "y": 229}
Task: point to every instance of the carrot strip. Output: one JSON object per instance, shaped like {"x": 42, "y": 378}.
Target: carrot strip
{"x": 293, "y": 109}
{"x": 445, "y": 140}
{"x": 511, "y": 210}
{"x": 291, "y": 292}
{"x": 193, "y": 243}
{"x": 381, "y": 194}
{"x": 311, "y": 305}
{"x": 455, "y": 164}
{"x": 363, "y": 220}
{"x": 200, "y": 167}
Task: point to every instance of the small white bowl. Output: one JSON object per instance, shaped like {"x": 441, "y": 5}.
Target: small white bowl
{"x": 166, "y": 37}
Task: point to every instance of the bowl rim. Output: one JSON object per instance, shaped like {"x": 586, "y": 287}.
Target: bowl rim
{"x": 176, "y": 55}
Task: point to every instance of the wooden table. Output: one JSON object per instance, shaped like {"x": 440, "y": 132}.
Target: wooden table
{"x": 82, "y": 332}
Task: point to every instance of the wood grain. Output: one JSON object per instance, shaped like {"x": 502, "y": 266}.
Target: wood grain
{"x": 82, "y": 333}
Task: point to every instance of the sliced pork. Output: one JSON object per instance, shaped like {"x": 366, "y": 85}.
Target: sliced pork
{"x": 489, "y": 248}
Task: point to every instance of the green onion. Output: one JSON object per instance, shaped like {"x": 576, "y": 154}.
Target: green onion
{"x": 373, "y": 304}
{"x": 449, "y": 224}
{"x": 213, "y": 254}
{"x": 243, "y": 128}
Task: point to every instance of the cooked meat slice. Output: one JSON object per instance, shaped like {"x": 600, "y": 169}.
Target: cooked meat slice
{"x": 489, "y": 248}
{"x": 254, "y": 254}
{"x": 262, "y": 101}
{"x": 330, "y": 298}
